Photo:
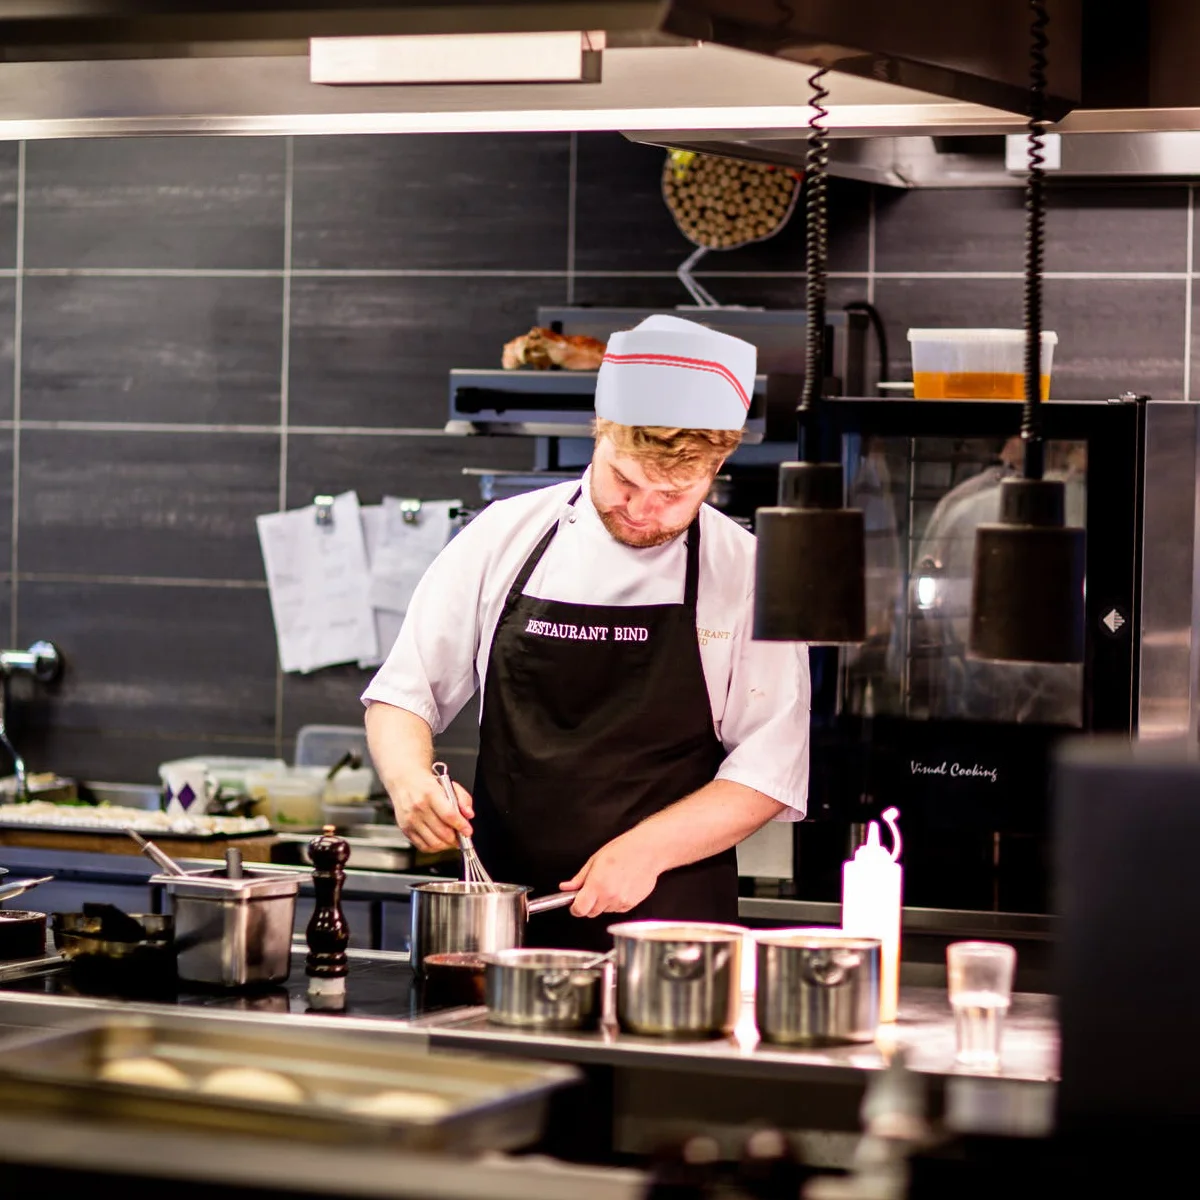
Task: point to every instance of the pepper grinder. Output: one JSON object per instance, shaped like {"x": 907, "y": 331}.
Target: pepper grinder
{"x": 328, "y": 934}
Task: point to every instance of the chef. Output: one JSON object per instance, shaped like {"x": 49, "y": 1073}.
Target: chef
{"x": 631, "y": 731}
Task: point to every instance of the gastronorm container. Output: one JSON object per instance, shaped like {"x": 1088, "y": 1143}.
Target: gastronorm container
{"x": 489, "y": 1103}
{"x": 233, "y": 932}
{"x": 544, "y": 989}
{"x": 678, "y": 978}
{"x": 817, "y": 986}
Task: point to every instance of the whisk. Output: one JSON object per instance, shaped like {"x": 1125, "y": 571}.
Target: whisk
{"x": 473, "y": 871}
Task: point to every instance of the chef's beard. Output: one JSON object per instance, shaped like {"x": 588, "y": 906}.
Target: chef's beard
{"x": 639, "y": 539}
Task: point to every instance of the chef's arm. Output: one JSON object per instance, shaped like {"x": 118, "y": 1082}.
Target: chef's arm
{"x": 401, "y": 746}
{"x": 623, "y": 873}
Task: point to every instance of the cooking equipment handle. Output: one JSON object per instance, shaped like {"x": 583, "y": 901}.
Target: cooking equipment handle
{"x": 685, "y": 963}
{"x": 151, "y": 851}
{"x": 443, "y": 777}
{"x": 554, "y": 985}
{"x": 10, "y": 891}
{"x": 547, "y": 903}
{"x": 829, "y": 968}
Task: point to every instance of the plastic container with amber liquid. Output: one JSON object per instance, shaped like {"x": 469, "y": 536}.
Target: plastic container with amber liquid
{"x": 974, "y": 364}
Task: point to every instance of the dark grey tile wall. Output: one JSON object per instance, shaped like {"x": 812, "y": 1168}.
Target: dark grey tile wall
{"x": 197, "y": 349}
{"x": 374, "y": 351}
{"x": 208, "y": 327}
{"x": 158, "y": 203}
{"x": 1118, "y": 259}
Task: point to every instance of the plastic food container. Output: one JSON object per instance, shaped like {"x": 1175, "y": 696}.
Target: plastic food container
{"x": 290, "y": 799}
{"x": 350, "y": 786}
{"x": 974, "y": 364}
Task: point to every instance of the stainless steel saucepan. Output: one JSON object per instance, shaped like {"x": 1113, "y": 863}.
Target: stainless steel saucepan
{"x": 678, "y": 978}
{"x": 452, "y": 916}
{"x": 545, "y": 989}
{"x": 817, "y": 987}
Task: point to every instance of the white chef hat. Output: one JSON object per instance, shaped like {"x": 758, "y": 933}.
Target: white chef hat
{"x": 676, "y": 373}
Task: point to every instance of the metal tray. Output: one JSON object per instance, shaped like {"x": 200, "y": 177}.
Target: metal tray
{"x": 494, "y": 1104}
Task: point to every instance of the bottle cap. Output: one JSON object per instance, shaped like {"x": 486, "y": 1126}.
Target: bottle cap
{"x": 872, "y": 849}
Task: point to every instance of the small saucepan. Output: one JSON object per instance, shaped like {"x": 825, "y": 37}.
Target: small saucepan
{"x": 545, "y": 989}
{"x": 454, "y": 979}
{"x": 453, "y": 916}
{"x": 22, "y": 934}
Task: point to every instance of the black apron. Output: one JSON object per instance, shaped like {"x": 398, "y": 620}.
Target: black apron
{"x": 595, "y": 717}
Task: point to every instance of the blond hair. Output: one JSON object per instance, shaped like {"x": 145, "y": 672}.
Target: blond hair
{"x": 670, "y": 453}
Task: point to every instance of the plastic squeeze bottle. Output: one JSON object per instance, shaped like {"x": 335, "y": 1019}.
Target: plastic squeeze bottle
{"x": 872, "y": 885}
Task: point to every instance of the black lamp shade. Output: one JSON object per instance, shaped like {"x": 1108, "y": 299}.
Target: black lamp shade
{"x": 1027, "y": 602}
{"x": 810, "y": 566}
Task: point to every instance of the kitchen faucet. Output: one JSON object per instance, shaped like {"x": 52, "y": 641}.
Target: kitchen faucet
{"x": 42, "y": 661}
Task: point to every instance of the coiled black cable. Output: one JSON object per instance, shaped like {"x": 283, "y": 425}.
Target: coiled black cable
{"x": 816, "y": 185}
{"x": 1035, "y": 234}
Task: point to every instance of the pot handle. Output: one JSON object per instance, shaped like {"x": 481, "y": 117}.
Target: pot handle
{"x": 547, "y": 903}
{"x": 830, "y": 968}
{"x": 685, "y": 963}
{"x": 554, "y": 985}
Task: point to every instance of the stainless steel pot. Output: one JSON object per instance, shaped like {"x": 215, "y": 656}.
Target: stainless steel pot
{"x": 450, "y": 915}
{"x": 544, "y": 989}
{"x": 817, "y": 986}
{"x": 233, "y": 932}
{"x": 678, "y": 978}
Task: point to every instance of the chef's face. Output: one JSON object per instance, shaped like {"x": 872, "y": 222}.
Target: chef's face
{"x": 642, "y": 509}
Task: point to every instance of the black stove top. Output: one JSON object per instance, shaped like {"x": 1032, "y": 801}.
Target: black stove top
{"x": 374, "y": 988}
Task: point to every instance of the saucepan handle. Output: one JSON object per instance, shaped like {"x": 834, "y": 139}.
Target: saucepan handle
{"x": 830, "y": 969}
{"x": 554, "y": 900}
{"x": 554, "y": 985}
{"x": 682, "y": 964}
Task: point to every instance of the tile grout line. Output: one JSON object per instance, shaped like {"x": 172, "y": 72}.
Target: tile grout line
{"x": 286, "y": 338}
{"x": 414, "y": 431}
{"x": 490, "y": 273}
{"x": 570, "y": 275}
{"x": 251, "y": 585}
{"x": 289, "y": 178}
{"x": 18, "y": 306}
{"x": 1187, "y": 299}
{"x": 871, "y": 246}
{"x": 572, "y": 175}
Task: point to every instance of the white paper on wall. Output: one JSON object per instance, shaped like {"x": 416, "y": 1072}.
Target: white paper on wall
{"x": 318, "y": 581}
{"x": 406, "y": 549}
{"x": 387, "y": 621}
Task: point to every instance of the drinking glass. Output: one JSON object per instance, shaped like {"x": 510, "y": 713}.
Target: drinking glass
{"x": 979, "y": 975}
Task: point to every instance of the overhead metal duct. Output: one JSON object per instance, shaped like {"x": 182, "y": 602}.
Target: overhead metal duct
{"x": 725, "y": 75}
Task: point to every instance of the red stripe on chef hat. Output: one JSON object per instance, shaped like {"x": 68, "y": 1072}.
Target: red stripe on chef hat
{"x": 676, "y": 373}
{"x": 690, "y": 364}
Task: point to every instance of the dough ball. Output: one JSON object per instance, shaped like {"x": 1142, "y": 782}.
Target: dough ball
{"x": 402, "y": 1106}
{"x": 253, "y": 1083}
{"x": 148, "y": 1072}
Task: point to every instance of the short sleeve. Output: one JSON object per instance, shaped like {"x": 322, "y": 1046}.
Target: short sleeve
{"x": 765, "y": 726}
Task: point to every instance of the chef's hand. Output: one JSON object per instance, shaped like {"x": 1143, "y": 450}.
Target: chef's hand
{"x": 426, "y": 816}
{"x": 618, "y": 877}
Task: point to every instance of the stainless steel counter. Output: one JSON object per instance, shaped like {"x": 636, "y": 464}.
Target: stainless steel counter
{"x": 925, "y": 1030}
{"x": 648, "y": 1091}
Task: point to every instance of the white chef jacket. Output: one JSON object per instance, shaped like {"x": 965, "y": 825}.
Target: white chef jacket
{"x": 759, "y": 691}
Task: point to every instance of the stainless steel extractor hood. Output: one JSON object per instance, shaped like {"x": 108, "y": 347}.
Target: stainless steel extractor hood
{"x": 930, "y": 161}
{"x": 730, "y": 75}
{"x": 111, "y": 67}
{"x": 973, "y": 52}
